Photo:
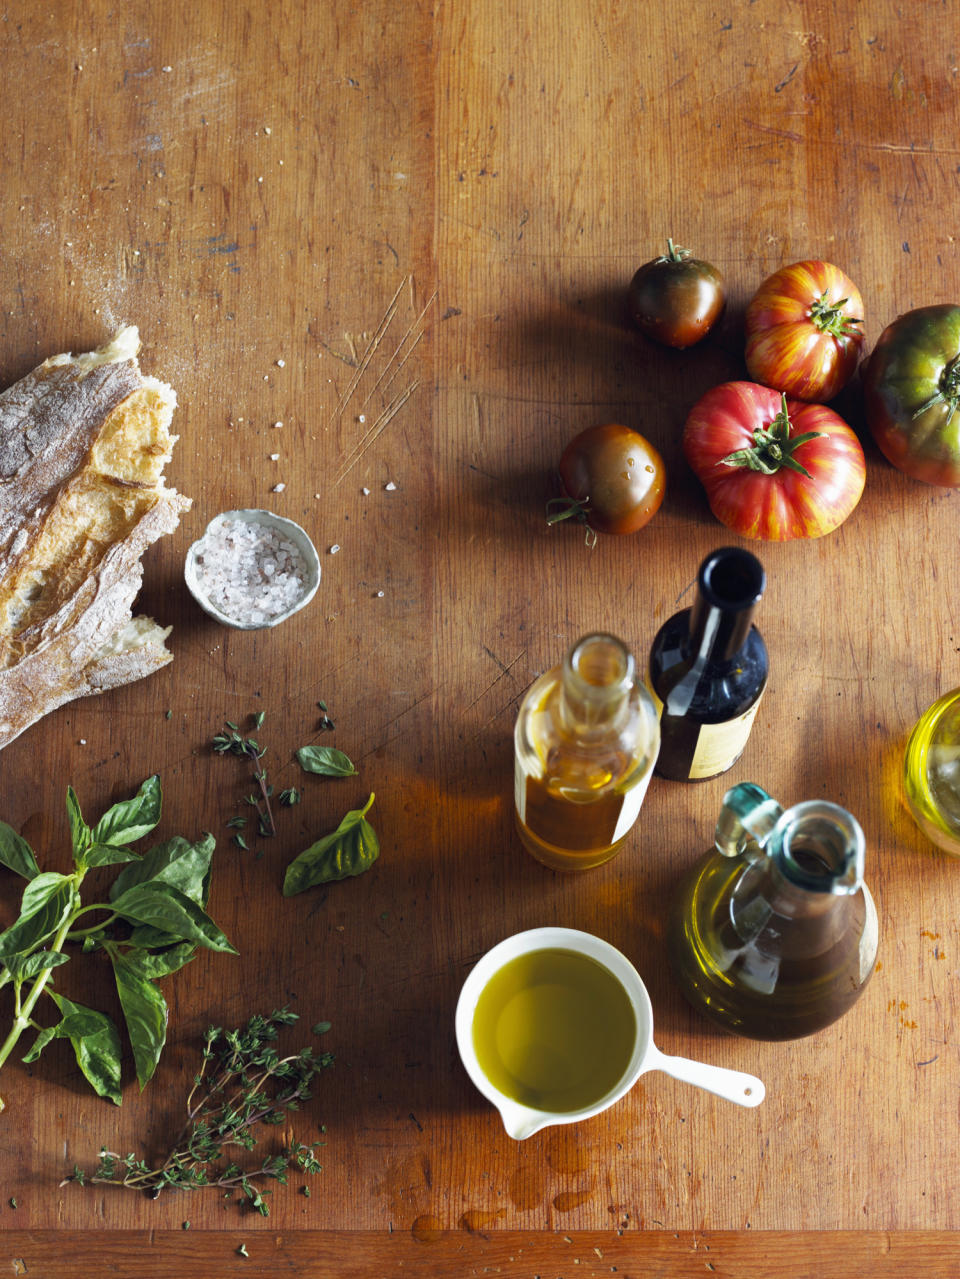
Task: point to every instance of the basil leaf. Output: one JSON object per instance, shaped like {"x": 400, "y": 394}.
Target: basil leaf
{"x": 104, "y": 855}
{"x": 167, "y": 961}
{"x": 144, "y": 1011}
{"x": 43, "y": 1038}
{"x": 325, "y": 760}
{"x": 349, "y": 850}
{"x": 16, "y": 853}
{"x": 79, "y": 830}
{"x": 165, "y": 907}
{"x": 22, "y": 967}
{"x": 178, "y": 862}
{"x": 47, "y": 900}
{"x": 131, "y": 819}
{"x": 97, "y": 1051}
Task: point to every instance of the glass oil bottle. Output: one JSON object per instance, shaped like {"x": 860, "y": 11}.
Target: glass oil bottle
{"x": 931, "y": 772}
{"x": 585, "y": 743}
{"x": 774, "y": 934}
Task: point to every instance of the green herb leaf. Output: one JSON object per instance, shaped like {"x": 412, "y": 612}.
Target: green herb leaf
{"x": 79, "y": 830}
{"x": 161, "y": 964}
{"x": 178, "y": 862}
{"x": 327, "y": 761}
{"x": 105, "y": 855}
{"x": 16, "y": 853}
{"x": 349, "y": 850}
{"x": 144, "y": 1011}
{"x": 321, "y": 1027}
{"x": 47, "y": 900}
{"x": 131, "y": 819}
{"x": 163, "y": 906}
{"x": 23, "y": 967}
{"x": 97, "y": 1051}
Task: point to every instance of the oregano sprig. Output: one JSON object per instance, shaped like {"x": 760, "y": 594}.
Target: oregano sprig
{"x": 242, "y": 1082}
{"x": 232, "y": 742}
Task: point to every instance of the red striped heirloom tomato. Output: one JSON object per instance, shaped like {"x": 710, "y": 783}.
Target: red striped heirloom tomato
{"x": 911, "y": 389}
{"x": 803, "y": 328}
{"x": 773, "y": 468}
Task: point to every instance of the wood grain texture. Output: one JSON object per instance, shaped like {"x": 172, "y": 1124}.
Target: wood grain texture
{"x": 405, "y": 233}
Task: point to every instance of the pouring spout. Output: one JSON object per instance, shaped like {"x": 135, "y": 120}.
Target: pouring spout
{"x": 521, "y": 1122}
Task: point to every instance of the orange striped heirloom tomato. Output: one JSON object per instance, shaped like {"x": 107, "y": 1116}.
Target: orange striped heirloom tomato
{"x": 773, "y": 468}
{"x": 804, "y": 333}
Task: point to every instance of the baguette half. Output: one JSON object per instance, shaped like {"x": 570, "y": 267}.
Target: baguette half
{"x": 83, "y": 443}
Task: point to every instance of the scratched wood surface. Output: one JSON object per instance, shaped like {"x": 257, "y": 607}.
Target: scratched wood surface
{"x": 405, "y": 233}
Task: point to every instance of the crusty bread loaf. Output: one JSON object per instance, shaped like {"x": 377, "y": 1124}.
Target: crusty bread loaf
{"x": 83, "y": 443}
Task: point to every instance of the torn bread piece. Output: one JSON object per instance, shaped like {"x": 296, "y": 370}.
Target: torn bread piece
{"x": 83, "y": 443}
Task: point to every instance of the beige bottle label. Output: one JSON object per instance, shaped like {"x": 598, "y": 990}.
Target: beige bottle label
{"x": 719, "y": 745}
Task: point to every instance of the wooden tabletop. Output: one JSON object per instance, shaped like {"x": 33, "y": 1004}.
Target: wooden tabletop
{"x": 405, "y": 232}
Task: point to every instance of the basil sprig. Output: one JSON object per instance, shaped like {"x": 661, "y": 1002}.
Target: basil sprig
{"x": 151, "y": 925}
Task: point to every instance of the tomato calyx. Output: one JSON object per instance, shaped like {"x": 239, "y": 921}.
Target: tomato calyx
{"x": 773, "y": 447}
{"x": 947, "y": 392}
{"x": 572, "y": 508}
{"x": 674, "y": 253}
{"x": 829, "y": 317}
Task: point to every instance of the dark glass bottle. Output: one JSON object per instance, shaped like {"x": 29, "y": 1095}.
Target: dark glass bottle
{"x": 708, "y": 670}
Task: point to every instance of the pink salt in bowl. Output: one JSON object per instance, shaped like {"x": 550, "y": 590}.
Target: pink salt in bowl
{"x": 252, "y": 569}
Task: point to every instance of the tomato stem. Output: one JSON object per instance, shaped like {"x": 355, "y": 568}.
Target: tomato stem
{"x": 570, "y": 508}
{"x": 829, "y": 317}
{"x": 674, "y": 253}
{"x": 773, "y": 447}
{"x": 947, "y": 392}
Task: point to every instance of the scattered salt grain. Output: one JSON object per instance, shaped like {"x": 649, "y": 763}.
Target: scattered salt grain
{"x": 278, "y": 488}
{"x": 365, "y": 492}
{"x": 362, "y": 417}
{"x": 334, "y": 548}
{"x": 391, "y": 487}
{"x": 281, "y": 364}
{"x": 277, "y": 425}
{"x": 274, "y": 457}
{"x": 379, "y": 595}
{"x": 249, "y": 571}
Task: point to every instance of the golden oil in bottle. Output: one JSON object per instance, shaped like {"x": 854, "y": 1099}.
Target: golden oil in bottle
{"x": 931, "y": 772}
{"x": 585, "y": 743}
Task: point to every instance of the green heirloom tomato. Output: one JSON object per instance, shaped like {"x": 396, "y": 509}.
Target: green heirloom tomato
{"x": 911, "y": 389}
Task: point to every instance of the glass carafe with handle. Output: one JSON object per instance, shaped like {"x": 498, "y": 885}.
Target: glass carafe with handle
{"x": 773, "y": 934}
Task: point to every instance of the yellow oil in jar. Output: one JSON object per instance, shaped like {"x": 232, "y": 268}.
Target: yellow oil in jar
{"x": 931, "y": 772}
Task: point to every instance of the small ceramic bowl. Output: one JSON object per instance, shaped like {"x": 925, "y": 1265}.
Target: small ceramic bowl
{"x": 286, "y": 529}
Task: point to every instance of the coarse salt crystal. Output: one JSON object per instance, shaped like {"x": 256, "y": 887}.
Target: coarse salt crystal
{"x": 365, "y": 492}
{"x": 379, "y": 595}
{"x": 334, "y": 548}
{"x": 281, "y": 364}
{"x": 274, "y": 457}
{"x": 391, "y": 487}
{"x": 278, "y": 488}
{"x": 249, "y": 572}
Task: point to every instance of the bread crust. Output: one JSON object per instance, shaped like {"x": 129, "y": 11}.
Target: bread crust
{"x": 83, "y": 441}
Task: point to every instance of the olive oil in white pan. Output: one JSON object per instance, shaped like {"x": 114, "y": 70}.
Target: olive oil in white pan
{"x": 554, "y": 1025}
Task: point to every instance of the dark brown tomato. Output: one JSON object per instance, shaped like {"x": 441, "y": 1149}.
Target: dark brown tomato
{"x": 614, "y": 480}
{"x": 676, "y": 299}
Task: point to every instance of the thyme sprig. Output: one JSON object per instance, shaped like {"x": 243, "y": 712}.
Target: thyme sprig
{"x": 242, "y": 1082}
{"x": 232, "y": 742}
